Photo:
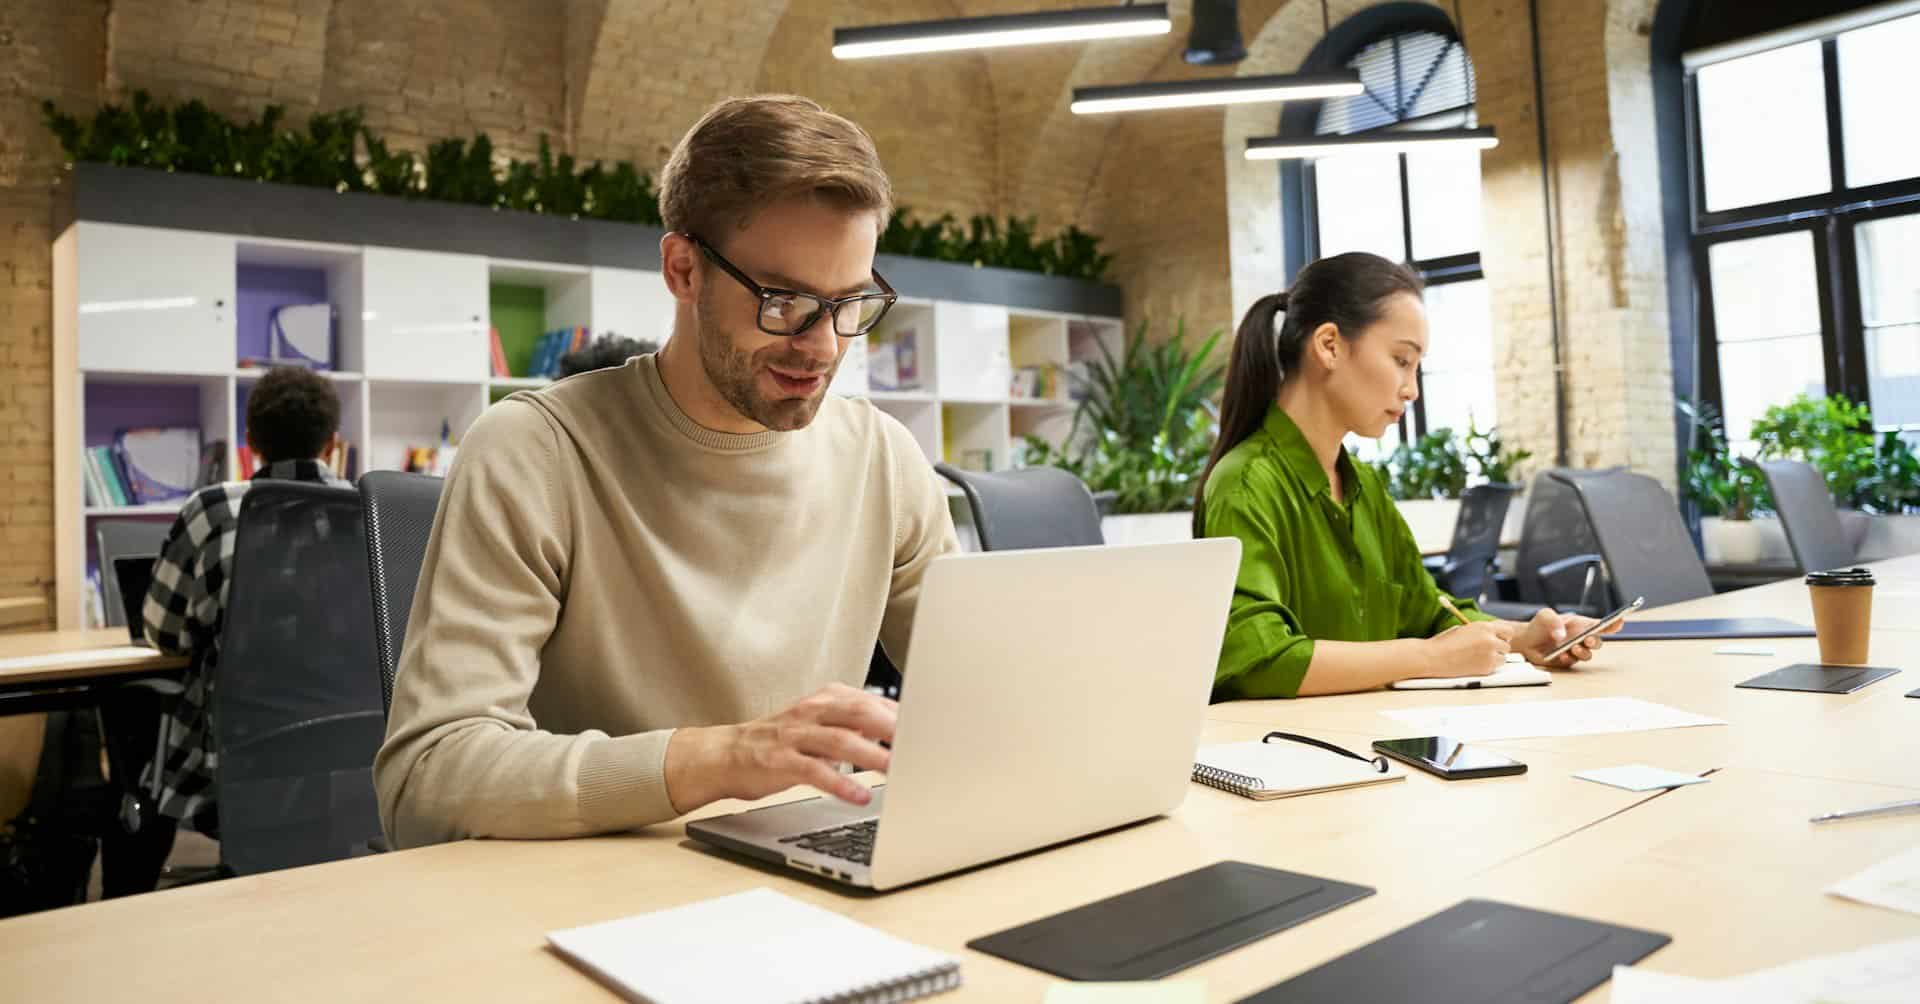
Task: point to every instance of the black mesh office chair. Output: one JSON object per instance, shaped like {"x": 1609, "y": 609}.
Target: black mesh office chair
{"x": 1807, "y": 512}
{"x": 1646, "y": 547}
{"x": 1467, "y": 567}
{"x": 399, "y": 512}
{"x": 1558, "y": 561}
{"x": 296, "y": 715}
{"x": 1028, "y": 508}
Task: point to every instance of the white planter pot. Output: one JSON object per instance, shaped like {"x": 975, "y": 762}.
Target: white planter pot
{"x": 1744, "y": 542}
{"x": 1881, "y": 537}
{"x": 1148, "y": 528}
{"x": 1431, "y": 521}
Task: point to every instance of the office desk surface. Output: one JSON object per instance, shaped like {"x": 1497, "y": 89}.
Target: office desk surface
{"x": 1712, "y": 865}
{"x": 1732, "y": 868}
{"x": 110, "y": 662}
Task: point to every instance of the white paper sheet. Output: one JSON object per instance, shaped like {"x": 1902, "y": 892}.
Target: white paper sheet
{"x": 1893, "y": 883}
{"x": 1639, "y": 777}
{"x": 1531, "y": 719}
{"x": 1887, "y": 973}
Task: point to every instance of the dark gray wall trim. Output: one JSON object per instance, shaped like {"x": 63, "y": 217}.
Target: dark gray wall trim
{"x": 103, "y": 193}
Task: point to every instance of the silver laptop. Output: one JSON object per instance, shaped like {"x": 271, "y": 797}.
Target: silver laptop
{"x": 1049, "y": 694}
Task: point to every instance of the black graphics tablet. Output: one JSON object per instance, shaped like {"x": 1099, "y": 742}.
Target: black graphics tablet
{"x": 1475, "y": 952}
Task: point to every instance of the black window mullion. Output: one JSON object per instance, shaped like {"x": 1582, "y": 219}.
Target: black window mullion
{"x": 1708, "y": 351}
{"x": 1836, "y": 140}
{"x": 1419, "y": 402}
{"x": 1826, "y": 266}
{"x": 1851, "y": 325}
{"x": 1696, "y": 162}
{"x": 1406, "y": 212}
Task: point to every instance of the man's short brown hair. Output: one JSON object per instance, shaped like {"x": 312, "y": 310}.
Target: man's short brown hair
{"x": 747, "y": 153}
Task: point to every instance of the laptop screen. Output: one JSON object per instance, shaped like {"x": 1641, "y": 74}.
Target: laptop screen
{"x": 135, "y": 576}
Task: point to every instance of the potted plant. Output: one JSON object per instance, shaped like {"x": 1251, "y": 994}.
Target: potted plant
{"x": 1427, "y": 477}
{"x": 1143, "y": 429}
{"x": 1876, "y": 482}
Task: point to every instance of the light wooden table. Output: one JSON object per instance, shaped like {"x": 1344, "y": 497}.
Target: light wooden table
{"x": 1712, "y": 864}
{"x": 110, "y": 661}
{"x": 25, "y": 691}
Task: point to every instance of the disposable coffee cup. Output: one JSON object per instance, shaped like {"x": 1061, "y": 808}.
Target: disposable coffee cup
{"x": 1842, "y": 614}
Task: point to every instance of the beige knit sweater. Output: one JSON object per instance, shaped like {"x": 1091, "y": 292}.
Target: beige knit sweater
{"x": 602, "y": 570}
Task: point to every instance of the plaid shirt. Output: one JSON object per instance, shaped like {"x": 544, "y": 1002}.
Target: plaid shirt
{"x": 183, "y": 614}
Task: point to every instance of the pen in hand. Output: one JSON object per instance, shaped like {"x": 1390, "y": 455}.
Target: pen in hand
{"x": 1455, "y": 611}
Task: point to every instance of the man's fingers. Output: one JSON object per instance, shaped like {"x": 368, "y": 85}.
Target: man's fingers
{"x": 843, "y": 745}
{"x": 818, "y": 773}
{"x": 869, "y": 718}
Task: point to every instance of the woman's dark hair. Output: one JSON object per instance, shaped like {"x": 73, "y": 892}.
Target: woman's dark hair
{"x": 291, "y": 414}
{"x": 609, "y": 350}
{"x": 1349, "y": 291}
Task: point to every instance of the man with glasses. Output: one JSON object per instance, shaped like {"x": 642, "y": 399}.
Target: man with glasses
{"x": 657, "y": 585}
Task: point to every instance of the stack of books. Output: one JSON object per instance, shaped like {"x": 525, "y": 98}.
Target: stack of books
{"x": 547, "y": 351}
{"x": 143, "y": 467}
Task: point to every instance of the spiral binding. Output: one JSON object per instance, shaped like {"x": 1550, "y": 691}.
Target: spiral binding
{"x": 1226, "y": 780}
{"x": 912, "y": 986}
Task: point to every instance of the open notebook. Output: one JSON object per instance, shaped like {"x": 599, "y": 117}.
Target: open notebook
{"x": 1281, "y": 770}
{"x": 754, "y": 947}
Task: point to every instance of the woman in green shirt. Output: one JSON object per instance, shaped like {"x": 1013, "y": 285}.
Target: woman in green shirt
{"x": 1331, "y": 596}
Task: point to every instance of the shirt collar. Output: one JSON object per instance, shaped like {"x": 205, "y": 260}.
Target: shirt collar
{"x": 1297, "y": 455}
{"x": 297, "y": 470}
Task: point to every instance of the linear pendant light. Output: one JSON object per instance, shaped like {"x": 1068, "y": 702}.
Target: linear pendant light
{"x": 1381, "y": 141}
{"x": 1035, "y": 28}
{"x": 1219, "y": 91}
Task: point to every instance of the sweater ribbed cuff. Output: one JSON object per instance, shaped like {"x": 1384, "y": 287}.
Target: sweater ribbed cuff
{"x": 623, "y": 782}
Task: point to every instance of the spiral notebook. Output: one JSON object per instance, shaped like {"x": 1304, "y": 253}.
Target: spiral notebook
{"x": 754, "y": 947}
{"x": 1281, "y": 770}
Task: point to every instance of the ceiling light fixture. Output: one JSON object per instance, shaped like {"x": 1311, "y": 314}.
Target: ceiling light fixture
{"x": 1036, "y": 28}
{"x": 1218, "y": 91}
{"x": 1375, "y": 141}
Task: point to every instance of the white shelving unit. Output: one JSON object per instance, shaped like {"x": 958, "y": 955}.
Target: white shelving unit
{"x": 961, "y": 407}
{"x": 155, "y": 326}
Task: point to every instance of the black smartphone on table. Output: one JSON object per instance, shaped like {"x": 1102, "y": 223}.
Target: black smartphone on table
{"x": 1448, "y": 758}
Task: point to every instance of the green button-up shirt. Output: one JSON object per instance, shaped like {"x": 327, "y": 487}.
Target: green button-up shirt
{"x": 1310, "y": 567}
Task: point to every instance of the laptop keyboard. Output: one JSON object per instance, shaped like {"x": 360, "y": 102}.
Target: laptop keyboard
{"x": 852, "y": 842}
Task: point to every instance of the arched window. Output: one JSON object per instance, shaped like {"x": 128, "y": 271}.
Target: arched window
{"x": 1420, "y": 208}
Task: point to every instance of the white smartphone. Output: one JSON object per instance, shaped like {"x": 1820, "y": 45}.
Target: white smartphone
{"x": 1601, "y": 625}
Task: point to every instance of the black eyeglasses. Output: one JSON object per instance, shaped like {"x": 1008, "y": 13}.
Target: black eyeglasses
{"x": 791, "y": 312}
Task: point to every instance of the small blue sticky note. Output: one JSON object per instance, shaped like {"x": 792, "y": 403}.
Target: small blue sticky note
{"x": 1639, "y": 777}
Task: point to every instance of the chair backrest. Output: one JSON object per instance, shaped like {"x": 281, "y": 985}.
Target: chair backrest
{"x": 399, "y": 512}
{"x": 1028, "y": 508}
{"x": 123, "y": 538}
{"x": 296, "y": 712}
{"x": 1809, "y": 516}
{"x": 1646, "y": 545}
{"x": 1555, "y": 528}
{"x": 1476, "y": 537}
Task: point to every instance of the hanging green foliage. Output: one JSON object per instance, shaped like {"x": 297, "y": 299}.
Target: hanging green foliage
{"x": 337, "y": 150}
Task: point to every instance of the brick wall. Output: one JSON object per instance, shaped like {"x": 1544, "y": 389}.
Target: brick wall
{"x": 48, "y": 49}
{"x": 1194, "y": 227}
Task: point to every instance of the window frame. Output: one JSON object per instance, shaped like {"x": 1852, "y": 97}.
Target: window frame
{"x": 1831, "y": 218}
{"x": 1465, "y": 267}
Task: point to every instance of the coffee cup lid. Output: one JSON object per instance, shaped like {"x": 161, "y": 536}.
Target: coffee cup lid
{"x": 1841, "y": 577}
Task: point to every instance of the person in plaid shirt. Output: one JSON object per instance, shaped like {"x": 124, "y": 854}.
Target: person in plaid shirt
{"x": 292, "y": 418}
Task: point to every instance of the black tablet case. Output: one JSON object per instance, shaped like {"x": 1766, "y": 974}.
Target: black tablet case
{"x": 1475, "y": 952}
{"x": 1818, "y": 679}
{"x": 1170, "y": 925}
